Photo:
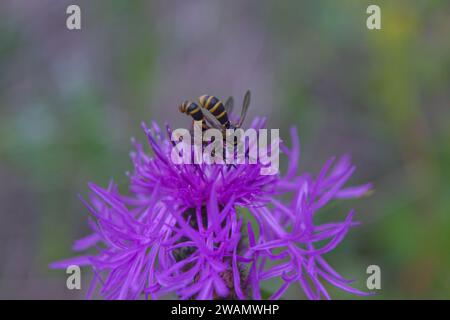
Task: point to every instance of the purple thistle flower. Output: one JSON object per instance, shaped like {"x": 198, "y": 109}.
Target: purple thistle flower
{"x": 182, "y": 231}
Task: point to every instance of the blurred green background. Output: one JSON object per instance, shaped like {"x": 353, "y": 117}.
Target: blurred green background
{"x": 71, "y": 100}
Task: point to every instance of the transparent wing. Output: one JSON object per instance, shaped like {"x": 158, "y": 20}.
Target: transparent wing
{"x": 211, "y": 120}
{"x": 245, "y": 105}
{"x": 229, "y": 105}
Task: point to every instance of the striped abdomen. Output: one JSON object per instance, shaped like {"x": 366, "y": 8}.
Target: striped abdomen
{"x": 216, "y": 107}
{"x": 192, "y": 109}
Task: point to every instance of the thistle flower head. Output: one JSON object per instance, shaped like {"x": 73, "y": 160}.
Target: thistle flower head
{"x": 182, "y": 228}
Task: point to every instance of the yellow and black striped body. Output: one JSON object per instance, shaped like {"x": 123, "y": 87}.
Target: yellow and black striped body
{"x": 217, "y": 109}
{"x": 193, "y": 109}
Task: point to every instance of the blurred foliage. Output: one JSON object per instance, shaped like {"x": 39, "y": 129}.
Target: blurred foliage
{"x": 71, "y": 100}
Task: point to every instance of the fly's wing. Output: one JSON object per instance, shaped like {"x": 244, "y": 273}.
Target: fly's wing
{"x": 212, "y": 121}
{"x": 229, "y": 104}
{"x": 245, "y": 105}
